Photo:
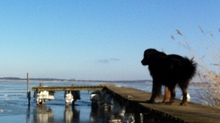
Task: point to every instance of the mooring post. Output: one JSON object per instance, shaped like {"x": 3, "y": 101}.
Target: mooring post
{"x": 28, "y": 90}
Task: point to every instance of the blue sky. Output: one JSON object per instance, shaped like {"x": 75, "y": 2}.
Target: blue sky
{"x": 97, "y": 39}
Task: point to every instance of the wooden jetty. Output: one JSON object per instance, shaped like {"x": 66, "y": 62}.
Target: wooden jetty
{"x": 193, "y": 113}
{"x": 42, "y": 93}
{"x": 135, "y": 99}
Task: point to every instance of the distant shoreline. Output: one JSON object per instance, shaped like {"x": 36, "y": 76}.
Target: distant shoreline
{"x": 34, "y": 79}
{"x": 64, "y": 80}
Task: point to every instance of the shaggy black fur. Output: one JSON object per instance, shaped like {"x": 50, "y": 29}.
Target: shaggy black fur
{"x": 169, "y": 70}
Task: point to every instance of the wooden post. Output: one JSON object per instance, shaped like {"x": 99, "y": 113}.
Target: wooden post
{"x": 28, "y": 90}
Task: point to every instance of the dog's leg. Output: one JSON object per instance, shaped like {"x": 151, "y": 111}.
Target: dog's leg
{"x": 183, "y": 86}
{"x": 173, "y": 95}
{"x": 184, "y": 99}
{"x": 166, "y": 95}
{"x": 156, "y": 91}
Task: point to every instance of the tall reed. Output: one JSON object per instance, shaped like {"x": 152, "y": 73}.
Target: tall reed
{"x": 208, "y": 60}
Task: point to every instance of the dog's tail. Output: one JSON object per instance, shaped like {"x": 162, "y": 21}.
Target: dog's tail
{"x": 190, "y": 68}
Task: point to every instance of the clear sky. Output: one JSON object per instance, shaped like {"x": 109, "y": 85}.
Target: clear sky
{"x": 97, "y": 39}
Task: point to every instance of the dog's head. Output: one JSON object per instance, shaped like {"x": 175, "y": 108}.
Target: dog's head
{"x": 149, "y": 56}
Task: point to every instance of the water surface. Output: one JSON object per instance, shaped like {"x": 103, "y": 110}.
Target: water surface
{"x": 14, "y": 104}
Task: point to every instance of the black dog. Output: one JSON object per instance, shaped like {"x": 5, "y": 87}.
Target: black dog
{"x": 169, "y": 70}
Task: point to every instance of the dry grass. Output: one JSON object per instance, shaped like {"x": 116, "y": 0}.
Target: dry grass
{"x": 208, "y": 65}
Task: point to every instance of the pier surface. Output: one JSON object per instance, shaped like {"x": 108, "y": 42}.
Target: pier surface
{"x": 193, "y": 113}
{"x": 135, "y": 99}
{"x": 67, "y": 88}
